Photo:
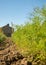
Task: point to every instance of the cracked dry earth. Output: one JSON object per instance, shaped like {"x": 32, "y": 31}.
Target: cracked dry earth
{"x": 9, "y": 55}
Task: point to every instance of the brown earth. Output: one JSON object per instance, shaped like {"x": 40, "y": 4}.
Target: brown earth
{"x": 9, "y": 55}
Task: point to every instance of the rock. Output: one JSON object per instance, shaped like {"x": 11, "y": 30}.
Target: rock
{"x": 19, "y": 56}
{"x": 24, "y": 61}
{"x": 18, "y": 62}
{"x": 2, "y": 63}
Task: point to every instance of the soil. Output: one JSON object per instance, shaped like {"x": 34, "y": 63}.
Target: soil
{"x": 9, "y": 55}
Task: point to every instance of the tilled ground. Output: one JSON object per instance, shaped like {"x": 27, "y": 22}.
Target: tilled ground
{"x": 11, "y": 56}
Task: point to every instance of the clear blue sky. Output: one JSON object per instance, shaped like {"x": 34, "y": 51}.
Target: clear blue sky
{"x": 16, "y": 11}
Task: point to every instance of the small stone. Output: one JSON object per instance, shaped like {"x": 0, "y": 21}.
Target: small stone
{"x": 24, "y": 61}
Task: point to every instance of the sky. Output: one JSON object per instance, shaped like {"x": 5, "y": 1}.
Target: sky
{"x": 17, "y": 11}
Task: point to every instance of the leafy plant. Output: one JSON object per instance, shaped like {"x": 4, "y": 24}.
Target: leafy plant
{"x": 31, "y": 37}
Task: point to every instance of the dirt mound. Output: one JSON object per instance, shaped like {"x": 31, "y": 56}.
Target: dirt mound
{"x": 9, "y": 53}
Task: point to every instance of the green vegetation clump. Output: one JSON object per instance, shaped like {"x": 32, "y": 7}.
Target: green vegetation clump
{"x": 2, "y": 37}
{"x": 31, "y": 37}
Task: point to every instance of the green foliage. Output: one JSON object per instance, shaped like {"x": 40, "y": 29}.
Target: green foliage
{"x": 31, "y": 37}
{"x": 2, "y": 37}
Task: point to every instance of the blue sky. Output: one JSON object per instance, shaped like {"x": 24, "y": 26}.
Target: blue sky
{"x": 16, "y": 11}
